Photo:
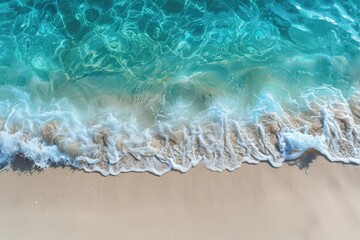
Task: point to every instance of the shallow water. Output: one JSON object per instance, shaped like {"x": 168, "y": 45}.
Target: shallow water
{"x": 116, "y": 86}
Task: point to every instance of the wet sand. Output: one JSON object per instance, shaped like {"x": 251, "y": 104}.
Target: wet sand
{"x": 254, "y": 202}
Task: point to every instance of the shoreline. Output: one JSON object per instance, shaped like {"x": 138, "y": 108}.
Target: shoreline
{"x": 254, "y": 202}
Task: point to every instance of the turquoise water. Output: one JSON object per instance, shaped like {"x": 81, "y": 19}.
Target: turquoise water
{"x": 116, "y": 86}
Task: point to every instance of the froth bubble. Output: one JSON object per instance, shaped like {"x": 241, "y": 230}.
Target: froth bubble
{"x": 115, "y": 44}
{"x": 258, "y": 39}
{"x": 39, "y": 61}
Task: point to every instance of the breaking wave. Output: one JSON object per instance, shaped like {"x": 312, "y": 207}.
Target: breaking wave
{"x": 219, "y": 137}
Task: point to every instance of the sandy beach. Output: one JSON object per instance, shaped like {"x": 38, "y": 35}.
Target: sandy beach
{"x": 254, "y": 202}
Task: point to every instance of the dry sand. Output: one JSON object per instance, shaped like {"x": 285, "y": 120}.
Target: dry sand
{"x": 254, "y": 202}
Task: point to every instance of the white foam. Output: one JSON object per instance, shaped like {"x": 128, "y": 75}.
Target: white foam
{"x": 219, "y": 137}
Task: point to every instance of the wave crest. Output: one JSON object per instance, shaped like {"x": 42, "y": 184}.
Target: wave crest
{"x": 217, "y": 137}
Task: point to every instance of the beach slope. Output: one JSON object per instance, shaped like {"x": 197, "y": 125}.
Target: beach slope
{"x": 254, "y": 202}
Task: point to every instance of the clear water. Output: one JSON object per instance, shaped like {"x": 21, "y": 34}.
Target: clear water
{"x": 116, "y": 86}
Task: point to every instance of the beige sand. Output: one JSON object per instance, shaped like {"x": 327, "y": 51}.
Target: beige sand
{"x": 254, "y": 202}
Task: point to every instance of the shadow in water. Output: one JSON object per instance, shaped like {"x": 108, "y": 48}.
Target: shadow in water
{"x": 22, "y": 165}
{"x": 303, "y": 163}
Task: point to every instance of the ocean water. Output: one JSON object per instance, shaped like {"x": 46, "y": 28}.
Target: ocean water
{"x": 157, "y": 85}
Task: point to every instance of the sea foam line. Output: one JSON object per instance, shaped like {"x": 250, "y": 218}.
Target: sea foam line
{"x": 221, "y": 140}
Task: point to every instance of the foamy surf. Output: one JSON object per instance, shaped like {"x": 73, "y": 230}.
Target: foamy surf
{"x": 218, "y": 137}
